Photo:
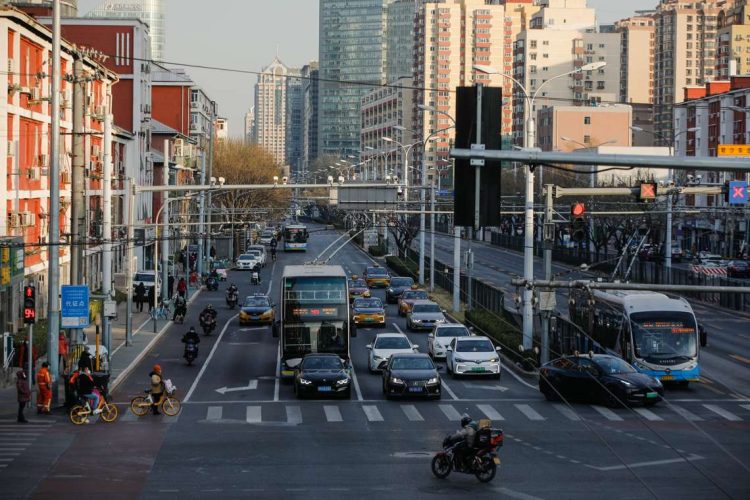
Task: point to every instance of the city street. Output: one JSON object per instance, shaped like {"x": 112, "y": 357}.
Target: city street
{"x": 242, "y": 433}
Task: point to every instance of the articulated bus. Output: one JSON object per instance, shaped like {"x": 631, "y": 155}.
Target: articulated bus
{"x": 657, "y": 334}
{"x": 295, "y": 238}
{"x": 314, "y": 315}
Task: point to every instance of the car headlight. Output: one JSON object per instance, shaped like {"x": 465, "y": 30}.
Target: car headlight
{"x": 657, "y": 382}
{"x": 343, "y": 381}
{"x": 304, "y": 381}
{"x": 416, "y": 320}
{"x": 267, "y": 314}
{"x": 433, "y": 381}
{"x": 494, "y": 360}
{"x": 378, "y": 358}
{"x": 389, "y": 290}
{"x": 441, "y": 320}
{"x": 625, "y": 383}
{"x": 691, "y": 366}
{"x": 460, "y": 360}
{"x": 366, "y": 294}
{"x": 396, "y": 380}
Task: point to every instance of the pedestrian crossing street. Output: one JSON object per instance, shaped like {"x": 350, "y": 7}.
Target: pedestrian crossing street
{"x": 16, "y": 438}
{"x": 293, "y": 413}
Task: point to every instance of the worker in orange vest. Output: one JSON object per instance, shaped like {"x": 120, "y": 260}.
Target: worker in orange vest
{"x": 44, "y": 385}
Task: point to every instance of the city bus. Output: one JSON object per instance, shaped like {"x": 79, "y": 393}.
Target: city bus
{"x": 314, "y": 314}
{"x": 295, "y": 238}
{"x": 657, "y": 334}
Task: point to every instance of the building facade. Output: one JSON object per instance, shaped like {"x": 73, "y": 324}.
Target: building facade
{"x": 270, "y": 109}
{"x": 351, "y": 49}
{"x": 569, "y": 128}
{"x": 151, "y": 12}
{"x": 310, "y": 74}
{"x": 294, "y": 109}
{"x": 250, "y": 125}
{"x": 222, "y": 128}
{"x": 399, "y": 38}
{"x": 733, "y": 41}
{"x": 637, "y": 40}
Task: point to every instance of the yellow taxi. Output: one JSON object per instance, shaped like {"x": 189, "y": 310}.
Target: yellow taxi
{"x": 357, "y": 288}
{"x": 377, "y": 276}
{"x": 368, "y": 312}
{"x": 256, "y": 309}
{"x": 407, "y": 299}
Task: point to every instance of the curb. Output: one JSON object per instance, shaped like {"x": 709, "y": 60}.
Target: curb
{"x": 128, "y": 370}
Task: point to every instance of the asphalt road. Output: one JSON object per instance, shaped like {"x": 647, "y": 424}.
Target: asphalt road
{"x": 257, "y": 441}
{"x": 725, "y": 361}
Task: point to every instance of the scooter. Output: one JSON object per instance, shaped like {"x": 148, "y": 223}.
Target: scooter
{"x": 255, "y": 278}
{"x": 212, "y": 283}
{"x": 179, "y": 315}
{"x": 191, "y": 352}
{"x": 231, "y": 299}
{"x": 208, "y": 326}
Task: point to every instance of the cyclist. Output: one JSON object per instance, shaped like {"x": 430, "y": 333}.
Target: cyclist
{"x": 84, "y": 383}
{"x": 273, "y": 252}
{"x": 157, "y": 388}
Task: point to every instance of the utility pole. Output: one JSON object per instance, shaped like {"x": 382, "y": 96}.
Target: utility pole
{"x": 78, "y": 209}
{"x": 202, "y": 218}
{"x": 456, "y": 268}
{"x": 165, "y": 229}
{"x": 107, "y": 218}
{"x": 53, "y": 252}
{"x": 432, "y": 234}
{"x": 130, "y": 264}
{"x": 210, "y": 172}
{"x": 549, "y": 240}
{"x": 478, "y": 164}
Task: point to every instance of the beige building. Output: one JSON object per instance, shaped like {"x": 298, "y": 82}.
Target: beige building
{"x": 637, "y": 36}
{"x": 568, "y": 128}
{"x": 222, "y": 128}
{"x": 270, "y": 109}
{"x": 733, "y": 38}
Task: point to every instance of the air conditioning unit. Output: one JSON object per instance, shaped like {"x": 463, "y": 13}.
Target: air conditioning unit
{"x": 64, "y": 104}
{"x": 33, "y": 94}
{"x": 194, "y": 105}
{"x": 11, "y": 148}
{"x": 42, "y": 160}
{"x": 96, "y": 150}
{"x": 33, "y": 174}
{"x": 12, "y": 220}
{"x": 99, "y": 111}
{"x": 65, "y": 177}
{"x": 25, "y": 90}
{"x": 26, "y": 219}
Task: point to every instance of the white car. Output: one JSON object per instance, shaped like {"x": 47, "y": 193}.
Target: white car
{"x": 245, "y": 261}
{"x": 385, "y": 345}
{"x": 260, "y": 255}
{"x": 266, "y": 236}
{"x": 441, "y": 337}
{"x": 473, "y": 356}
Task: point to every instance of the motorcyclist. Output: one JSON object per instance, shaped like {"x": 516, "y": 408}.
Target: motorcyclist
{"x": 191, "y": 337}
{"x": 273, "y": 251}
{"x": 232, "y": 290}
{"x": 208, "y": 313}
{"x": 256, "y": 274}
{"x": 463, "y": 439}
{"x": 180, "y": 307}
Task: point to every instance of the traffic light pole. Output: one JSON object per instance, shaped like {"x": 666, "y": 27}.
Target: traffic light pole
{"x": 547, "y": 312}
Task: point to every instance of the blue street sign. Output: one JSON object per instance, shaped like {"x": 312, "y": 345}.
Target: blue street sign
{"x": 445, "y": 192}
{"x": 737, "y": 193}
{"x": 75, "y": 306}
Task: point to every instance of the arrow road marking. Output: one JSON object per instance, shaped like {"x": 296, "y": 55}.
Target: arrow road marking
{"x": 252, "y": 385}
{"x": 500, "y": 388}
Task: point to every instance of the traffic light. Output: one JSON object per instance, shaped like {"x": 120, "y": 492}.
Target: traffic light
{"x": 578, "y": 222}
{"x": 29, "y": 305}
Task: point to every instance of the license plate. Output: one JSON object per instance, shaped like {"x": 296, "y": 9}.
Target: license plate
{"x": 652, "y": 395}
{"x": 496, "y": 460}
{"x": 254, "y": 317}
{"x": 324, "y": 388}
{"x": 478, "y": 369}
{"x": 415, "y": 389}
{"x": 369, "y": 320}
{"x": 667, "y": 377}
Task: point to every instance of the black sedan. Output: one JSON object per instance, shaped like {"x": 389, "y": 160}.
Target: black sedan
{"x": 598, "y": 378}
{"x": 322, "y": 375}
{"x": 397, "y": 287}
{"x": 738, "y": 269}
{"x": 411, "y": 375}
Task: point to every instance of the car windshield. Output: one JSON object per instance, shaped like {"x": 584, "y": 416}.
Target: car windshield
{"x": 267, "y": 234}
{"x": 401, "y": 282}
{"x": 368, "y": 303}
{"x": 392, "y": 343}
{"x": 145, "y": 277}
{"x": 414, "y": 294}
{"x": 426, "y": 308}
{"x": 661, "y": 335}
{"x": 481, "y": 345}
{"x": 376, "y": 271}
{"x": 245, "y": 257}
{"x": 322, "y": 363}
{"x": 256, "y": 302}
{"x": 453, "y": 331}
{"x": 614, "y": 365}
{"x": 412, "y": 364}
{"x": 255, "y": 252}
{"x": 357, "y": 284}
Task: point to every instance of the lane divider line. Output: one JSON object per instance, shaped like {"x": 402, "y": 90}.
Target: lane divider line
{"x": 208, "y": 359}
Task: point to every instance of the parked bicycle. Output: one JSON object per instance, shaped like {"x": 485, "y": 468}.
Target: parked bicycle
{"x": 169, "y": 404}
{"x": 162, "y": 311}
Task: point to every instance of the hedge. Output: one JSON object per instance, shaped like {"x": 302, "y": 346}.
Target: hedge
{"x": 376, "y": 251}
{"x": 401, "y": 267}
{"x": 507, "y": 335}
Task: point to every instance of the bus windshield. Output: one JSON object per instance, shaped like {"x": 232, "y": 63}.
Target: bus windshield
{"x": 315, "y": 315}
{"x": 295, "y": 234}
{"x": 660, "y": 335}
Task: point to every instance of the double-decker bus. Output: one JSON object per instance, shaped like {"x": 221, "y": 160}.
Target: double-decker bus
{"x": 295, "y": 238}
{"x": 314, "y": 316}
{"x": 657, "y": 334}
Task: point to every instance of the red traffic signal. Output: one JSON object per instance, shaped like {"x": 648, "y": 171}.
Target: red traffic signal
{"x": 578, "y": 209}
{"x": 29, "y": 304}
{"x": 647, "y": 191}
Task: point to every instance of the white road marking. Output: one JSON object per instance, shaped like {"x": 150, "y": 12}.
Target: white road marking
{"x": 648, "y": 414}
{"x": 723, "y": 413}
{"x": 687, "y": 415}
{"x": 251, "y": 385}
{"x": 294, "y": 415}
{"x": 568, "y": 412}
{"x": 491, "y": 413}
{"x": 647, "y": 464}
{"x": 278, "y": 374}
{"x": 747, "y": 407}
{"x": 412, "y": 413}
{"x": 448, "y": 390}
{"x": 529, "y": 412}
{"x": 607, "y": 413}
{"x": 208, "y": 359}
{"x": 372, "y": 413}
{"x": 450, "y": 412}
{"x": 20, "y": 433}
{"x": 214, "y": 413}
{"x": 356, "y": 383}
{"x": 333, "y": 414}
{"x": 253, "y": 415}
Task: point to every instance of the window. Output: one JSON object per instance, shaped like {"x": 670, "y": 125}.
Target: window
{"x": 600, "y": 85}
{"x": 587, "y": 120}
{"x": 532, "y": 44}
{"x": 586, "y": 139}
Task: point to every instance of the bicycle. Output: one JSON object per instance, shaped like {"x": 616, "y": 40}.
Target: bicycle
{"x": 161, "y": 311}
{"x": 169, "y": 404}
{"x": 79, "y": 413}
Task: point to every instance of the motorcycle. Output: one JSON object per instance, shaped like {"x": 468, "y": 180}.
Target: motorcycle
{"x": 231, "y": 299}
{"x": 482, "y": 461}
{"x": 179, "y": 314}
{"x": 255, "y": 278}
{"x": 208, "y": 325}
{"x": 191, "y": 352}
{"x": 212, "y": 283}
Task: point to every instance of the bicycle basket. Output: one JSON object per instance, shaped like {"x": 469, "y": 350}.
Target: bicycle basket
{"x": 169, "y": 387}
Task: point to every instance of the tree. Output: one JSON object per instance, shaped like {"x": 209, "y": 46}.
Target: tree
{"x": 404, "y": 229}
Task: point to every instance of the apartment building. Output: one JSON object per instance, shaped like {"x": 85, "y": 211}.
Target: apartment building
{"x": 733, "y": 39}
{"x": 309, "y": 114}
{"x": 637, "y": 39}
{"x": 568, "y": 128}
{"x": 270, "y": 109}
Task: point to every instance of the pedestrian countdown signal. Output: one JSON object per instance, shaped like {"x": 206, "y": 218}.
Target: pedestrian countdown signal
{"x": 29, "y": 305}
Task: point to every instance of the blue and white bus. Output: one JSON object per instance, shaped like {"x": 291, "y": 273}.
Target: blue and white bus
{"x": 295, "y": 238}
{"x": 657, "y": 334}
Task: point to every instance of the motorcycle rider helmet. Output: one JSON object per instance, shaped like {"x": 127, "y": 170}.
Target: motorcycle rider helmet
{"x": 210, "y": 307}
{"x": 192, "y": 329}
{"x": 466, "y": 420}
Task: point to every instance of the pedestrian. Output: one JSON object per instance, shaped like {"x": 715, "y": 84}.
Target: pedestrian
{"x": 85, "y": 360}
{"x": 170, "y": 287}
{"x": 63, "y": 349}
{"x": 151, "y": 298}
{"x": 182, "y": 287}
{"x": 44, "y": 385}
{"x": 23, "y": 357}
{"x": 140, "y": 295}
{"x": 24, "y": 394}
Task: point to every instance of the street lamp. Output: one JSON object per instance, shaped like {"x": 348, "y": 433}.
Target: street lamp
{"x": 530, "y": 141}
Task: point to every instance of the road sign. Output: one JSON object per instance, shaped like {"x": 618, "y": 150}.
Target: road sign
{"x": 733, "y": 150}
{"x": 648, "y": 191}
{"x": 737, "y": 193}
{"x": 75, "y": 306}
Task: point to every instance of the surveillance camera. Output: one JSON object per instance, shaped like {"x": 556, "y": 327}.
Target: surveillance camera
{"x": 399, "y": 191}
{"x": 222, "y": 180}
{"x": 698, "y": 178}
{"x": 213, "y": 181}
{"x": 341, "y": 179}
{"x": 284, "y": 179}
{"x": 330, "y": 179}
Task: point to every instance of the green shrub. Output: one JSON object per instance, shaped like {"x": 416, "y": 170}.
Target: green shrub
{"x": 401, "y": 267}
{"x": 504, "y": 332}
{"x": 376, "y": 251}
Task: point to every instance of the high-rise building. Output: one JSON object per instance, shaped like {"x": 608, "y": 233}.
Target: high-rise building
{"x": 294, "y": 121}
{"x": 637, "y": 39}
{"x": 733, "y": 39}
{"x": 250, "y": 125}
{"x": 270, "y": 109}
{"x": 151, "y": 12}
{"x": 310, "y": 114}
{"x": 399, "y": 38}
{"x": 351, "y": 50}
{"x": 685, "y": 54}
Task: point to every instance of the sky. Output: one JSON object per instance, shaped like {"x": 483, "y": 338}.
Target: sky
{"x": 246, "y": 35}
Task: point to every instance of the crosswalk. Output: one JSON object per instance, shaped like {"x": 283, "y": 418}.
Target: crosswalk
{"x": 16, "y": 438}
